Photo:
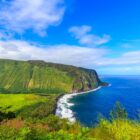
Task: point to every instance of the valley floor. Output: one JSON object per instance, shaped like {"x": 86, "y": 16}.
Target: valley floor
{"x": 27, "y": 105}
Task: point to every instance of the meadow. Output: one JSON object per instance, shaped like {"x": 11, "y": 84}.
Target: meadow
{"x": 14, "y": 102}
{"x": 26, "y": 105}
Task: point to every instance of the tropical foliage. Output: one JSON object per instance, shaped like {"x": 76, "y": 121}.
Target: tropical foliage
{"x": 42, "y": 77}
{"x": 34, "y": 121}
{"x": 53, "y": 128}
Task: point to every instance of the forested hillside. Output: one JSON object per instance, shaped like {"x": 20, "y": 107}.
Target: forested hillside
{"x": 39, "y": 76}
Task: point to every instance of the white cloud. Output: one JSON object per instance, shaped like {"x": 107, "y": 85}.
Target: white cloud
{"x": 94, "y": 58}
{"x": 82, "y": 33}
{"x": 66, "y": 54}
{"x": 38, "y": 15}
{"x": 127, "y": 58}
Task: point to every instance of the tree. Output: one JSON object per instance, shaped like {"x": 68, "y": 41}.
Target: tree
{"x": 118, "y": 112}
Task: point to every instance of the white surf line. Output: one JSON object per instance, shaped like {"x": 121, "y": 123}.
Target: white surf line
{"x": 63, "y": 106}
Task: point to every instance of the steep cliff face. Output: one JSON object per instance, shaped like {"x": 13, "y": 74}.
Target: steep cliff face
{"x": 39, "y": 76}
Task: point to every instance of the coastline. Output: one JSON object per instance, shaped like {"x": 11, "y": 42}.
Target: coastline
{"x": 63, "y": 106}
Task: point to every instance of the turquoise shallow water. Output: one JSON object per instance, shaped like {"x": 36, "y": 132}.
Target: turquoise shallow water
{"x": 125, "y": 89}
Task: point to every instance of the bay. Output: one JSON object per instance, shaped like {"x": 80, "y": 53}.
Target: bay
{"x": 125, "y": 89}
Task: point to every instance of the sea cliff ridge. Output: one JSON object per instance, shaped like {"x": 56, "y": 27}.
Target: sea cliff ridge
{"x": 37, "y": 76}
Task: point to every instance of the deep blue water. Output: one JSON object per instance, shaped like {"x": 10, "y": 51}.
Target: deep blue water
{"x": 125, "y": 89}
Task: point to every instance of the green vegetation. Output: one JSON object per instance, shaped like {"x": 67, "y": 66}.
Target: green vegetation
{"x": 118, "y": 112}
{"x": 26, "y": 113}
{"x": 33, "y": 120}
{"x": 53, "y": 128}
{"x": 27, "y": 105}
{"x": 14, "y": 102}
{"x": 42, "y": 77}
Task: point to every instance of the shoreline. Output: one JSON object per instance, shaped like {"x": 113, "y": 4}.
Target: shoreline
{"x": 63, "y": 110}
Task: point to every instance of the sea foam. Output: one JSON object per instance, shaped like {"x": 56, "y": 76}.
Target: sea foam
{"x": 63, "y": 106}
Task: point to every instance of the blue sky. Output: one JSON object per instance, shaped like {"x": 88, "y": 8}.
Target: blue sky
{"x": 98, "y": 34}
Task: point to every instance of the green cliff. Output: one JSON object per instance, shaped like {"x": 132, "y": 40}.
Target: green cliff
{"x": 39, "y": 76}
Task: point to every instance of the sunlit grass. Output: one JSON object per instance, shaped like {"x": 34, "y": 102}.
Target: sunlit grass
{"x": 14, "y": 102}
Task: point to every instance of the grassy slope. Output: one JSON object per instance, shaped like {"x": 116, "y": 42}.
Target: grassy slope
{"x": 27, "y": 105}
{"x": 18, "y": 76}
{"x": 38, "y": 76}
{"x": 14, "y": 102}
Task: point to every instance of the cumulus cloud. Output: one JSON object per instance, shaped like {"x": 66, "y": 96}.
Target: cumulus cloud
{"x": 127, "y": 58}
{"x": 38, "y": 15}
{"x": 83, "y": 35}
{"x": 66, "y": 54}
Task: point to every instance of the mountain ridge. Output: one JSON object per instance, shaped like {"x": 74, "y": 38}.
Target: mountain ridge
{"x": 40, "y": 76}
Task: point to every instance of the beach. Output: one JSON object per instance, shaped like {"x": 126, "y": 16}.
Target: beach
{"x": 63, "y": 106}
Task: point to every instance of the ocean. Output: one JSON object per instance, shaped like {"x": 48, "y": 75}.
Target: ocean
{"x": 87, "y": 107}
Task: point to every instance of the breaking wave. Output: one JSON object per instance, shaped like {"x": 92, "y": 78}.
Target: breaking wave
{"x": 63, "y": 106}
